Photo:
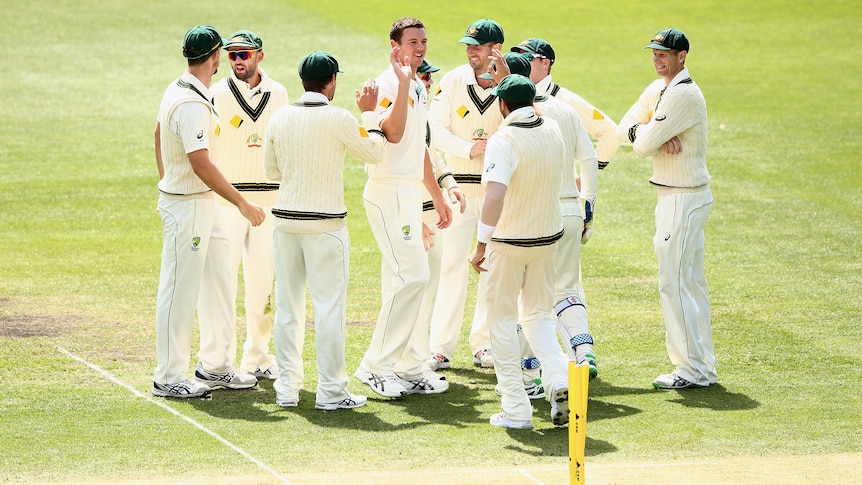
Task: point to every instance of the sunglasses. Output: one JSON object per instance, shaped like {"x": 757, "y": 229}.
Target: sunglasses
{"x": 425, "y": 77}
{"x": 243, "y": 55}
{"x": 529, "y": 56}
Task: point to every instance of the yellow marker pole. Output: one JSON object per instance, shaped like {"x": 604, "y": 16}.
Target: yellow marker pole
{"x": 579, "y": 387}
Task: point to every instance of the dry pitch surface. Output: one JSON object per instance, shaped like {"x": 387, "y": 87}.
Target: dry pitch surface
{"x": 806, "y": 469}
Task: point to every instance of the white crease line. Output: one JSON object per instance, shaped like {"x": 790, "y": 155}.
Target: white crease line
{"x": 530, "y": 477}
{"x": 176, "y": 413}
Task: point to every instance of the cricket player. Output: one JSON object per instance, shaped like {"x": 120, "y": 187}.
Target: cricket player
{"x": 517, "y": 238}
{"x": 668, "y": 123}
{"x": 196, "y": 245}
{"x": 305, "y": 150}
{"x": 569, "y": 302}
{"x": 245, "y": 102}
{"x": 393, "y": 204}
{"x": 431, "y": 238}
{"x": 464, "y": 112}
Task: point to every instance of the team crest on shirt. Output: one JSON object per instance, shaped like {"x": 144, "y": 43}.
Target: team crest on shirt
{"x": 480, "y": 134}
{"x": 254, "y": 140}
{"x": 406, "y": 231}
{"x": 195, "y": 243}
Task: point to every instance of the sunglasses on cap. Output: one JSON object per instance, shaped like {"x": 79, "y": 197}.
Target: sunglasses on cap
{"x": 243, "y": 55}
{"x": 530, "y": 56}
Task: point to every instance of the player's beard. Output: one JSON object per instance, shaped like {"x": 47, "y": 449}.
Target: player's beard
{"x": 249, "y": 73}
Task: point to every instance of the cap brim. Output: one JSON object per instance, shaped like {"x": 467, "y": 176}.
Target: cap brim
{"x": 240, "y": 44}
{"x": 521, "y": 49}
{"x": 657, "y": 46}
{"x": 487, "y": 76}
{"x": 469, "y": 40}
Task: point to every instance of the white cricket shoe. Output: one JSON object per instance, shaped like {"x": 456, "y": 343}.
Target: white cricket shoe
{"x": 502, "y": 421}
{"x": 229, "y": 380}
{"x": 183, "y": 389}
{"x": 349, "y": 402}
{"x": 484, "y": 358}
{"x": 430, "y": 383}
{"x": 270, "y": 372}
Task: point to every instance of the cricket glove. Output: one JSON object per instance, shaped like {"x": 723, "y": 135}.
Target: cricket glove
{"x": 588, "y": 221}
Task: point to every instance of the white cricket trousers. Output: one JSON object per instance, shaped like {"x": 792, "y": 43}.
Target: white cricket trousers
{"x": 253, "y": 247}
{"x": 394, "y": 210}
{"x": 323, "y": 261}
{"x": 448, "y": 314}
{"x": 570, "y": 310}
{"x": 568, "y": 286}
{"x": 521, "y": 282}
{"x": 679, "y": 249}
{"x": 420, "y": 346}
{"x": 193, "y": 272}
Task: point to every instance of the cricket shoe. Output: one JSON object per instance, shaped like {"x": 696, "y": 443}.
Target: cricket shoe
{"x": 438, "y": 361}
{"x": 270, "y": 372}
{"x": 673, "y": 381}
{"x": 560, "y": 405}
{"x": 364, "y": 376}
{"x": 230, "y": 380}
{"x": 385, "y": 385}
{"x": 430, "y": 383}
{"x": 484, "y": 358}
{"x": 183, "y": 389}
{"x": 349, "y": 402}
{"x": 287, "y": 402}
{"x": 534, "y": 388}
{"x": 502, "y": 421}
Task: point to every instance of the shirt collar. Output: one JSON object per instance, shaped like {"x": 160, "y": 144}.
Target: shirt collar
{"x": 525, "y": 114}
{"x": 313, "y": 97}
{"x": 194, "y": 81}
{"x": 544, "y": 86}
{"x": 680, "y": 76}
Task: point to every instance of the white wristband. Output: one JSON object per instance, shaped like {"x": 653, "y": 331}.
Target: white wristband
{"x": 484, "y": 232}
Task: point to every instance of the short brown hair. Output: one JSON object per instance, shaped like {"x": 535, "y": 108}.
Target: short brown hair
{"x": 397, "y": 29}
{"x": 317, "y": 85}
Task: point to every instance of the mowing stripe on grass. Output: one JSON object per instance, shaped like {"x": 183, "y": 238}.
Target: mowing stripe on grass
{"x": 173, "y": 411}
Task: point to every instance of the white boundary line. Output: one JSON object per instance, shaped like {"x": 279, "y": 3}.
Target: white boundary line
{"x": 173, "y": 411}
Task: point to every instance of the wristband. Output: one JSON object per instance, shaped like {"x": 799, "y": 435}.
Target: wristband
{"x": 484, "y": 232}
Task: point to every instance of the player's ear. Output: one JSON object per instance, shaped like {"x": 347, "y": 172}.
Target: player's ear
{"x": 259, "y": 56}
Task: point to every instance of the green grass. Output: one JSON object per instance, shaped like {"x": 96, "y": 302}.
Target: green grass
{"x": 80, "y": 245}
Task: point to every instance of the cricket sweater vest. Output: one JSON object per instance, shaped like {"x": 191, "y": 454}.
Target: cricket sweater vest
{"x": 578, "y": 147}
{"x": 304, "y": 150}
{"x": 244, "y": 115}
{"x": 598, "y": 124}
{"x": 531, "y": 215}
{"x": 662, "y": 113}
{"x": 461, "y": 113}
{"x": 189, "y": 98}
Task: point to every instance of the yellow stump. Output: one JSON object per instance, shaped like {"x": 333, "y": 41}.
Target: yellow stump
{"x": 579, "y": 388}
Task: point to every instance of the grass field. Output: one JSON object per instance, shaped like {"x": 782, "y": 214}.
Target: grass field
{"x": 80, "y": 248}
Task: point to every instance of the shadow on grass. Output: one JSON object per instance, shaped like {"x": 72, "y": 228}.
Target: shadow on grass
{"x": 553, "y": 442}
{"x": 714, "y": 397}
